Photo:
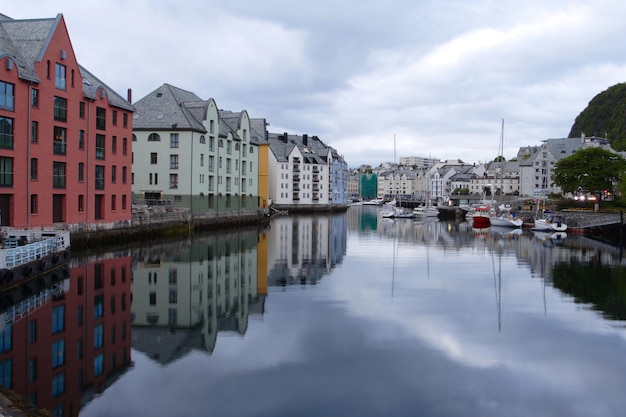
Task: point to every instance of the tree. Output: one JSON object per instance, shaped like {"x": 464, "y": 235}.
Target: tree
{"x": 590, "y": 171}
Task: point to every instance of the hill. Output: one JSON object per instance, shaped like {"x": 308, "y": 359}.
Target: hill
{"x": 604, "y": 116}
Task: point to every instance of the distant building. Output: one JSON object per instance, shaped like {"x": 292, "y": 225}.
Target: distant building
{"x": 418, "y": 161}
{"x": 303, "y": 171}
{"x": 65, "y": 151}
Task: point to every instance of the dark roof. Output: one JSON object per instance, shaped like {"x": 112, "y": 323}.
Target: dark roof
{"x": 168, "y": 108}
{"x": 26, "y": 41}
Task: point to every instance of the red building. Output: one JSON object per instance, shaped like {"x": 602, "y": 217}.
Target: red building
{"x": 65, "y": 136}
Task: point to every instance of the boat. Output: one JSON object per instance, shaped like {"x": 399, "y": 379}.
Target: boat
{"x": 550, "y": 222}
{"x": 373, "y": 202}
{"x": 425, "y": 211}
{"x": 481, "y": 219}
{"x": 29, "y": 254}
{"x": 504, "y": 217}
{"x": 390, "y": 211}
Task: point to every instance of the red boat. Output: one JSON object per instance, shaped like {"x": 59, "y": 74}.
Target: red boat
{"x": 480, "y": 219}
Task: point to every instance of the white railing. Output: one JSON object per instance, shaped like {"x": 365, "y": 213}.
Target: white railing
{"x": 31, "y": 304}
{"x": 12, "y": 257}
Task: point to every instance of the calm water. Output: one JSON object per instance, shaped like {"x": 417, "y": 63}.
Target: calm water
{"x": 337, "y": 316}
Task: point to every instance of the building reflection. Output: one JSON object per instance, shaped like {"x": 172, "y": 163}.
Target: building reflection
{"x": 185, "y": 292}
{"x": 65, "y": 338}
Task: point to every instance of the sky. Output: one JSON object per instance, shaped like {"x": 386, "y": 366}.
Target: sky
{"x": 376, "y": 80}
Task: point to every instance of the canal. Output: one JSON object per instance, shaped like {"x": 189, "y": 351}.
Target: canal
{"x": 324, "y": 315}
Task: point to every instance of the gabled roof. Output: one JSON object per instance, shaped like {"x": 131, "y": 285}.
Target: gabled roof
{"x": 312, "y": 148}
{"x": 168, "y": 108}
{"x": 26, "y": 42}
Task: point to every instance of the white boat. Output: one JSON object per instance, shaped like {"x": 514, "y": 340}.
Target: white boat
{"x": 373, "y": 202}
{"x": 550, "y": 222}
{"x": 505, "y": 218}
{"x": 28, "y": 254}
{"x": 425, "y": 211}
{"x": 390, "y": 211}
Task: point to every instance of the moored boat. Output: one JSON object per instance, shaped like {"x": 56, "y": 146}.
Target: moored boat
{"x": 481, "y": 218}
{"x": 550, "y": 222}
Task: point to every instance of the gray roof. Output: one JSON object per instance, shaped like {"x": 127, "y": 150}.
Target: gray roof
{"x": 26, "y": 42}
{"x": 170, "y": 108}
{"x": 313, "y": 150}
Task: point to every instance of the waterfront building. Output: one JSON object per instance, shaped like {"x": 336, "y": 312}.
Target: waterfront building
{"x": 191, "y": 155}
{"x": 65, "y": 151}
{"x": 537, "y": 170}
{"x": 304, "y": 172}
{"x": 397, "y": 183}
{"x": 368, "y": 185}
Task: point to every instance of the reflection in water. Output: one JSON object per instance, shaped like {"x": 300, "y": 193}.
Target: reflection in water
{"x": 184, "y": 293}
{"x": 447, "y": 282}
{"x": 67, "y": 337}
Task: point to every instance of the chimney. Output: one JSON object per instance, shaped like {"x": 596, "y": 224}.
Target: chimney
{"x": 305, "y": 139}
{"x": 129, "y": 95}
{"x": 285, "y": 137}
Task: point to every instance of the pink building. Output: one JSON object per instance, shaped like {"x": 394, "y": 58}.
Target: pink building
{"x": 65, "y": 136}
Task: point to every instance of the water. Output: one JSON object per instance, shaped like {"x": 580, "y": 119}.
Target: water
{"x": 346, "y": 314}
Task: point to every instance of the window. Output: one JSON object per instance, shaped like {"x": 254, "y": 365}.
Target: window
{"x": 6, "y": 373}
{"x": 6, "y": 133}
{"x": 60, "y": 109}
{"x": 81, "y": 203}
{"x": 6, "y": 172}
{"x": 173, "y": 161}
{"x": 113, "y": 202}
{"x": 229, "y": 147}
{"x": 7, "y": 96}
{"x": 101, "y": 118}
{"x": 81, "y": 109}
{"x": 153, "y": 158}
{"x": 124, "y": 175}
{"x": 125, "y": 120}
{"x": 114, "y": 117}
{"x": 201, "y": 159}
{"x": 123, "y": 206}
{"x": 113, "y": 174}
{"x": 58, "y": 319}
{"x": 100, "y": 142}
{"x": 99, "y": 177}
{"x": 58, "y": 174}
{"x": 32, "y": 332}
{"x": 81, "y": 171}
{"x": 81, "y": 139}
{"x": 98, "y": 365}
{"x": 58, "y": 353}
{"x": 124, "y": 146}
{"x": 202, "y": 139}
{"x": 34, "y": 203}
{"x": 34, "y": 165}
{"x": 34, "y": 131}
{"x": 34, "y": 97}
{"x": 211, "y": 163}
{"x": 59, "y": 76}
{"x": 173, "y": 140}
{"x": 211, "y": 144}
{"x": 6, "y": 339}
{"x": 58, "y": 385}
{"x": 154, "y": 137}
{"x": 114, "y": 144}
{"x": 211, "y": 127}
{"x": 98, "y": 336}
{"x": 173, "y": 181}
{"x": 59, "y": 145}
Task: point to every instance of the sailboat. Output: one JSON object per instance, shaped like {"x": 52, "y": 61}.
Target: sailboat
{"x": 504, "y": 216}
{"x": 391, "y": 210}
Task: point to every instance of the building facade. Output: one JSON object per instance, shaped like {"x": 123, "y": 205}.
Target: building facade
{"x": 191, "y": 155}
{"x": 65, "y": 151}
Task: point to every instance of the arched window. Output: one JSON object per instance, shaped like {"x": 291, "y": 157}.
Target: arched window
{"x": 134, "y": 138}
{"x": 154, "y": 137}
{"x": 251, "y": 149}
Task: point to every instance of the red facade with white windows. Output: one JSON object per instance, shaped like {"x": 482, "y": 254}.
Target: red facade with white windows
{"x": 65, "y": 137}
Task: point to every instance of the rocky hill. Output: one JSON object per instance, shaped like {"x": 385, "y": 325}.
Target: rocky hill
{"x": 604, "y": 116}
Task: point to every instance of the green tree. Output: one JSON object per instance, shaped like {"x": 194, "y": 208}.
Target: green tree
{"x": 590, "y": 170}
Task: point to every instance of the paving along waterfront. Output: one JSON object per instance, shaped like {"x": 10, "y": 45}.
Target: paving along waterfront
{"x": 342, "y": 314}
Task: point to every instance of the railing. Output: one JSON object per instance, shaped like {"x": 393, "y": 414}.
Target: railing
{"x": 31, "y": 304}
{"x": 15, "y": 255}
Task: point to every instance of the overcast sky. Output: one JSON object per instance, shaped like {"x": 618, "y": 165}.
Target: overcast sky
{"x": 439, "y": 76}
